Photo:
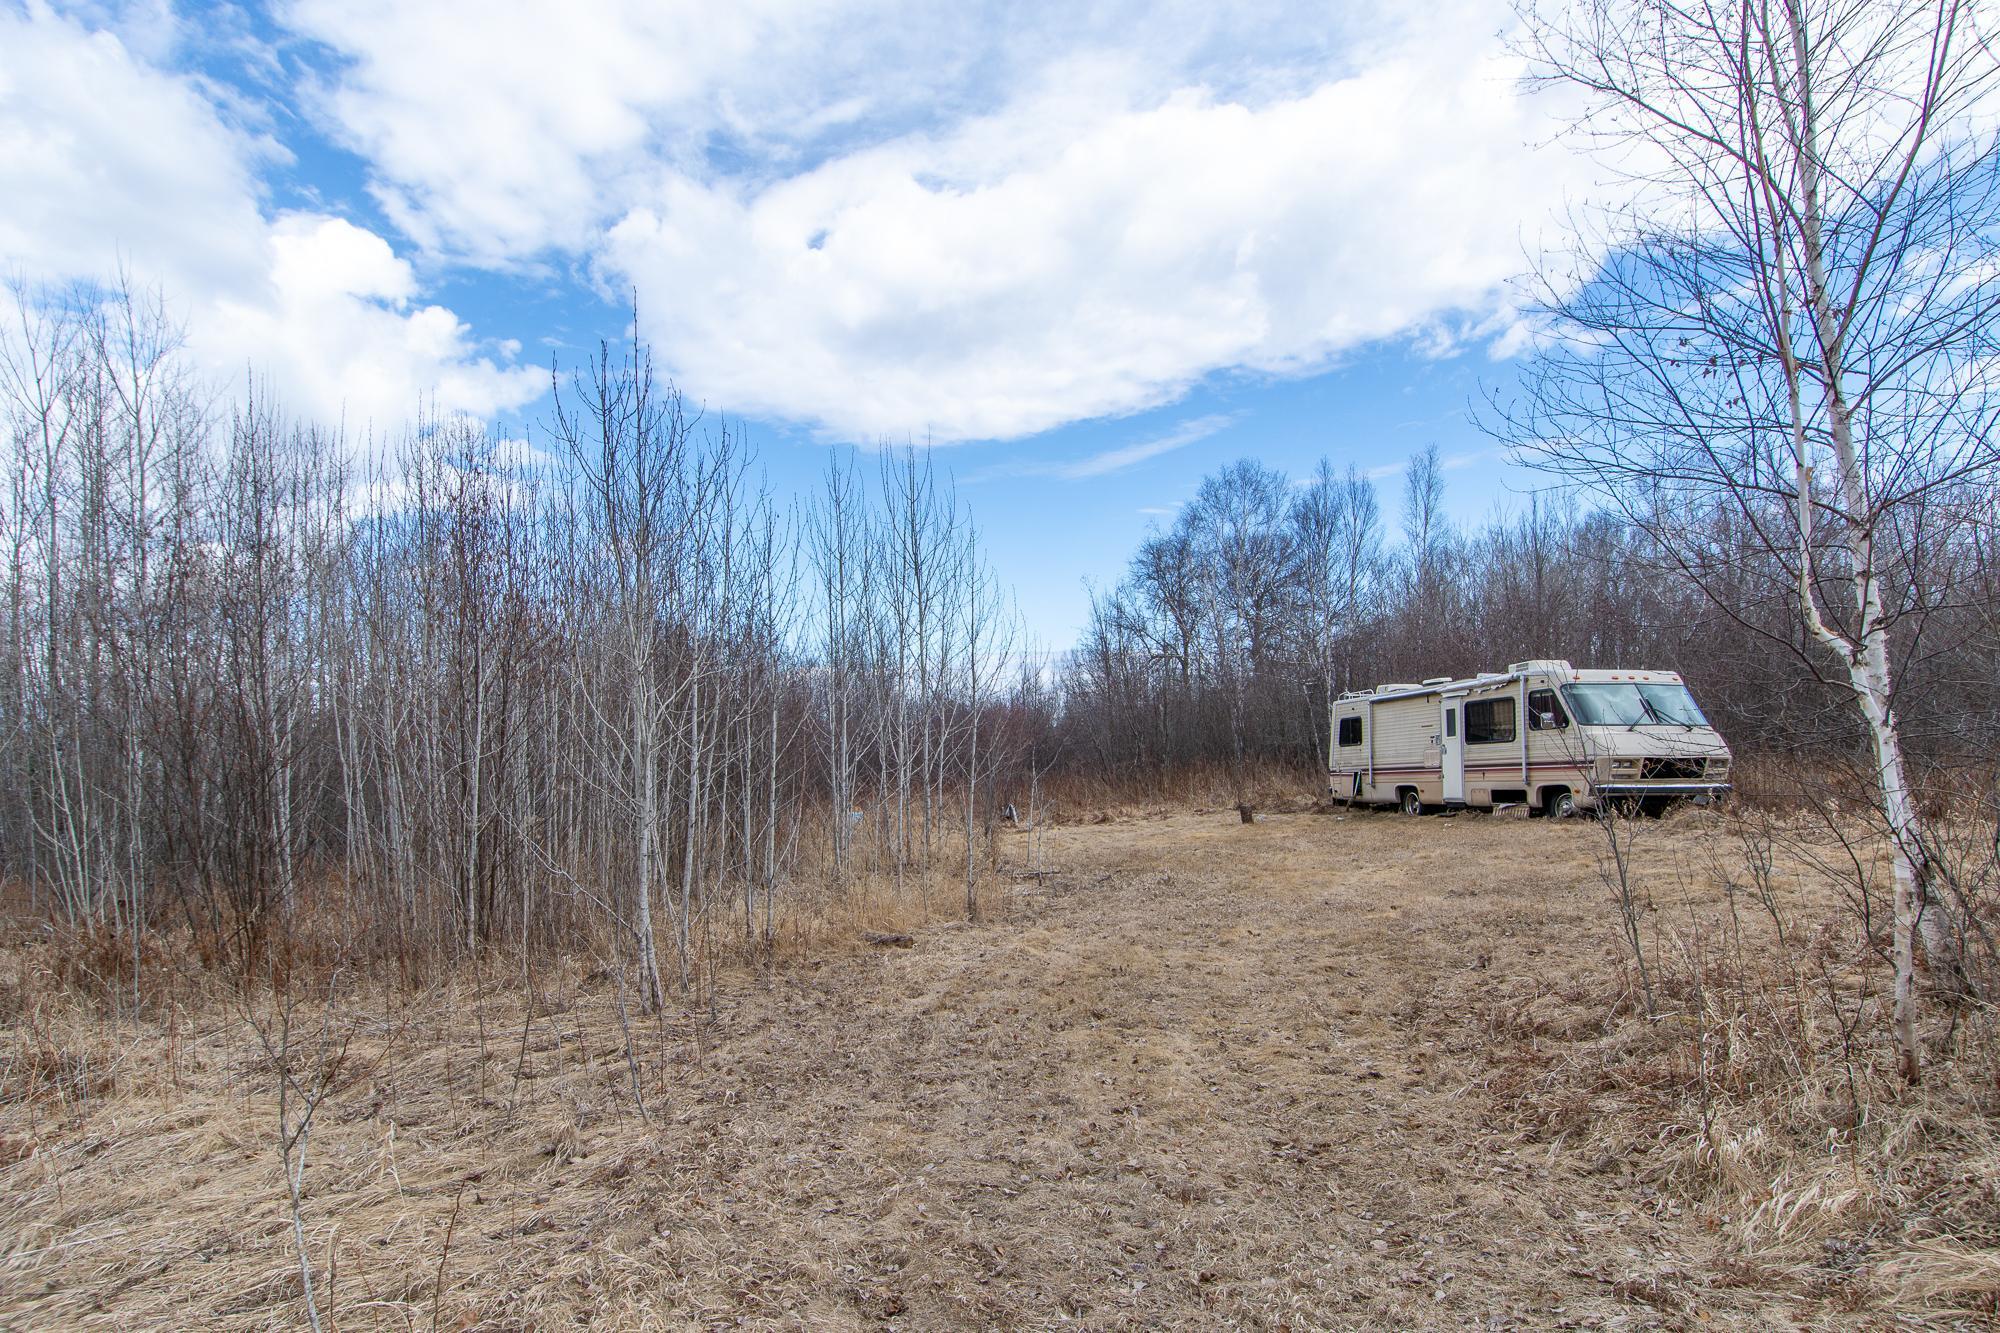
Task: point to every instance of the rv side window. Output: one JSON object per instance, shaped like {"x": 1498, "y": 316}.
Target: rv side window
{"x": 1350, "y": 731}
{"x": 1488, "y": 721}
{"x": 1545, "y": 711}
{"x": 1451, "y": 722}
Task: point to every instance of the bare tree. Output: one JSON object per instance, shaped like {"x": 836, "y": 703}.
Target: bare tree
{"x": 626, "y": 439}
{"x": 1237, "y": 523}
{"x": 305, "y": 1076}
{"x": 1336, "y": 535}
{"x": 1790, "y": 328}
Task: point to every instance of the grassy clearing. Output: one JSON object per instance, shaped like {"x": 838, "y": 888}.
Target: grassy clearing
{"x": 1326, "y": 1070}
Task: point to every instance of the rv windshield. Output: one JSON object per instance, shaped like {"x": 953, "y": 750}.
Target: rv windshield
{"x": 1609, "y": 704}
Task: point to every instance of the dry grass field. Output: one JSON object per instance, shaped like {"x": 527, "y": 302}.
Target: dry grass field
{"x": 1328, "y": 1070}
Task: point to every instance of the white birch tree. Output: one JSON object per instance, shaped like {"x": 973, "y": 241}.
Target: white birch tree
{"x": 1791, "y": 324}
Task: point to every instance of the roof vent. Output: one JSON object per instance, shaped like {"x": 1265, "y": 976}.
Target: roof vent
{"x": 1395, "y": 686}
{"x": 1437, "y": 680}
{"x": 1539, "y": 664}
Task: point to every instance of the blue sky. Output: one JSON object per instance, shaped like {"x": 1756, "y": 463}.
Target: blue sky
{"x": 1091, "y": 252}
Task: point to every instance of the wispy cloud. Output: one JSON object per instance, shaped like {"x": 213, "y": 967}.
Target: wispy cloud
{"x": 1449, "y": 463}
{"x": 1115, "y": 460}
{"x": 1112, "y": 460}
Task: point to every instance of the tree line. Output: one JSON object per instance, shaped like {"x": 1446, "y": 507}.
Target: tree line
{"x": 608, "y": 692}
{"x": 611, "y": 689}
{"x": 1236, "y": 626}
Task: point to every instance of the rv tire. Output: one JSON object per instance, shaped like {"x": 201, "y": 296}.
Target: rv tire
{"x": 1559, "y": 804}
{"x": 1409, "y": 802}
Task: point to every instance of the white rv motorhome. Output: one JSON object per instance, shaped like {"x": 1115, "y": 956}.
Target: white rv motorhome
{"x": 1540, "y": 732}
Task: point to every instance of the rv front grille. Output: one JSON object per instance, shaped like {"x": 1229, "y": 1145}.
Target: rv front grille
{"x": 1673, "y": 769}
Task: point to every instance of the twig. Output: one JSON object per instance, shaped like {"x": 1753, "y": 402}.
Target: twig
{"x": 437, "y": 1287}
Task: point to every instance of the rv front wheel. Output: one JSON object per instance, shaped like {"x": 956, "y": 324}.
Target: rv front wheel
{"x": 1411, "y": 803}
{"x": 1561, "y": 804}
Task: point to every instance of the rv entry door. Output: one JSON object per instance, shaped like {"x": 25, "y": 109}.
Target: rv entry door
{"x": 1451, "y": 762}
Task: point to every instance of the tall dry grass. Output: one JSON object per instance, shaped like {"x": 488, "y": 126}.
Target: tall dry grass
{"x": 1764, "y": 1086}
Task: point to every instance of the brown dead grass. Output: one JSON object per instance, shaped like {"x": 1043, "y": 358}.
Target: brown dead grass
{"x": 1321, "y": 1071}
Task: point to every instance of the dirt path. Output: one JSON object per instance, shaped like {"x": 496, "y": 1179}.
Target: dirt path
{"x": 1193, "y": 1086}
{"x": 1199, "y": 1077}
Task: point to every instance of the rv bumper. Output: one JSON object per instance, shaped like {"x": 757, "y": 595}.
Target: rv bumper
{"x": 1662, "y": 788}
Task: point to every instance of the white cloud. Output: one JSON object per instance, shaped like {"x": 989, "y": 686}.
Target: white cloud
{"x": 875, "y": 217}
{"x": 336, "y": 322}
{"x": 508, "y": 134}
{"x": 109, "y": 161}
{"x": 538, "y": 125}
{"x": 1067, "y": 259}
{"x": 100, "y": 155}
{"x": 890, "y": 218}
{"x": 534, "y": 125}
